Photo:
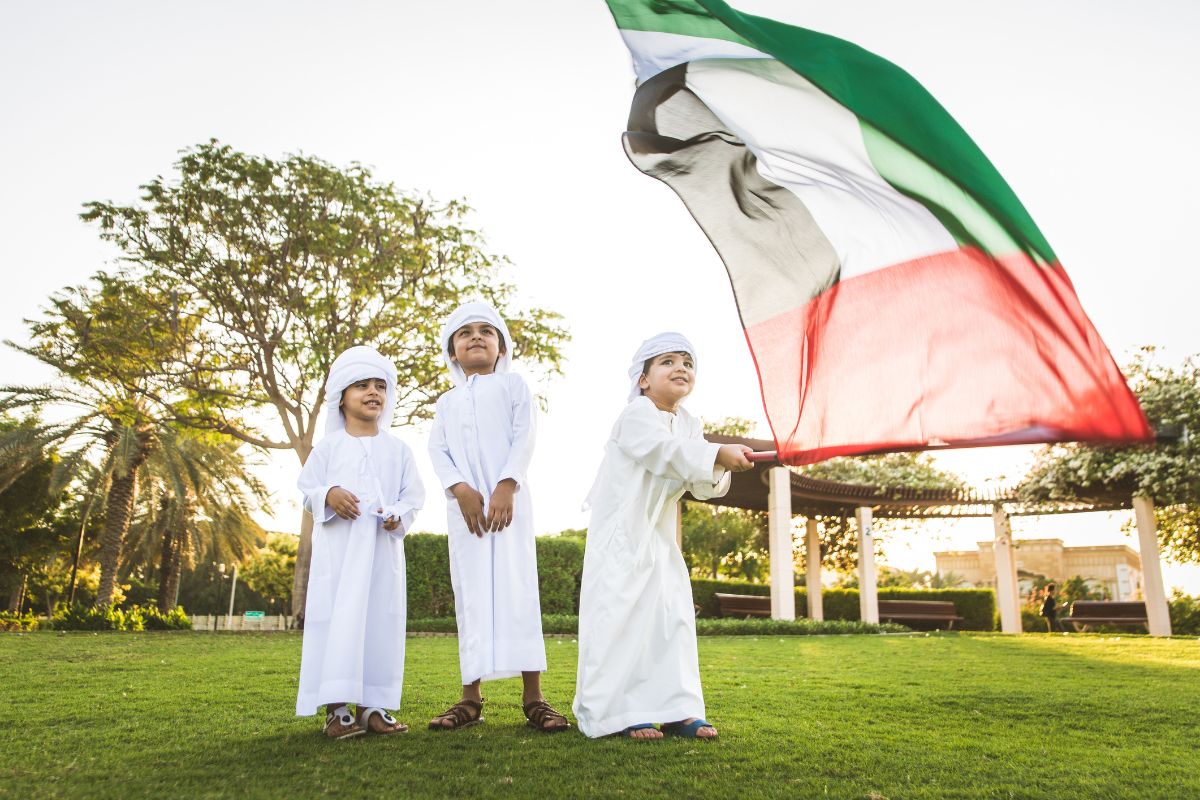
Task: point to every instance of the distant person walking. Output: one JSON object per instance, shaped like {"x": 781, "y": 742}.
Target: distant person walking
{"x": 1050, "y": 610}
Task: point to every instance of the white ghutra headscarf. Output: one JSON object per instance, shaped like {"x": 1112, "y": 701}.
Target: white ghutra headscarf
{"x": 465, "y": 315}
{"x": 667, "y": 342}
{"x": 359, "y": 363}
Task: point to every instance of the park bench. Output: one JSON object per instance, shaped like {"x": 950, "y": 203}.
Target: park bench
{"x": 1106, "y": 612}
{"x": 921, "y": 612}
{"x": 744, "y": 605}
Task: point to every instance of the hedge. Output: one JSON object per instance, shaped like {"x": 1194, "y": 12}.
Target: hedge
{"x": 569, "y": 624}
{"x": 430, "y": 595}
{"x": 977, "y": 607}
{"x": 560, "y": 567}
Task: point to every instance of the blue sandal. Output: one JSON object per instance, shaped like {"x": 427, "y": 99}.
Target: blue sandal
{"x": 689, "y": 730}
{"x": 628, "y": 732}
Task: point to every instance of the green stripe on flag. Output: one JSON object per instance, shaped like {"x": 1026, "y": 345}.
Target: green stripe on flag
{"x": 967, "y": 221}
{"x": 893, "y": 101}
{"x": 877, "y": 91}
{"x": 683, "y": 17}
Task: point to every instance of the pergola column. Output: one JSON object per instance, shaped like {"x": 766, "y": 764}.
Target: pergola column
{"x": 1007, "y": 596}
{"x": 779, "y": 530}
{"x": 868, "y": 591}
{"x": 812, "y": 563}
{"x": 1157, "y": 613}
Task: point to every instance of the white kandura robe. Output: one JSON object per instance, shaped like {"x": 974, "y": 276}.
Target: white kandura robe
{"x": 483, "y": 432}
{"x": 637, "y": 627}
{"x": 355, "y": 613}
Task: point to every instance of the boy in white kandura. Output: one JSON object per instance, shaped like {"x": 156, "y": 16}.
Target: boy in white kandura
{"x": 361, "y": 486}
{"x": 481, "y": 445}
{"x": 638, "y": 663}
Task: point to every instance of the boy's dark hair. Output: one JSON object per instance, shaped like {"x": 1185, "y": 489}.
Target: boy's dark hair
{"x": 649, "y": 362}
{"x": 499, "y": 335}
{"x": 1049, "y": 587}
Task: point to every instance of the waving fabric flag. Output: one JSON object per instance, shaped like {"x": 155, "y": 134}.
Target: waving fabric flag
{"x": 894, "y": 292}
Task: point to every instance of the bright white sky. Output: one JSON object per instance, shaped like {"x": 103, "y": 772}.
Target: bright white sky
{"x": 1088, "y": 108}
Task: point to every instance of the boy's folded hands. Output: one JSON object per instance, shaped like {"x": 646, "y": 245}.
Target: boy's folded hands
{"x": 499, "y": 512}
{"x": 500, "y": 507}
{"x": 470, "y": 503}
{"x": 343, "y": 503}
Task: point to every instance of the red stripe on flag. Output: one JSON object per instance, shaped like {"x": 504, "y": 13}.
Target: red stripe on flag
{"x": 956, "y": 350}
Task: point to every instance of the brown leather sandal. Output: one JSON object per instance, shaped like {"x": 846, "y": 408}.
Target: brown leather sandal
{"x": 379, "y": 721}
{"x": 539, "y": 712}
{"x": 341, "y": 724}
{"x": 462, "y": 714}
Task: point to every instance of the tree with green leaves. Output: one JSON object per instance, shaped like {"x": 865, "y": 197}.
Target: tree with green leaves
{"x": 270, "y": 568}
{"x": 288, "y": 262}
{"x": 1167, "y": 471}
{"x": 197, "y": 499}
{"x": 890, "y": 471}
{"x": 106, "y": 348}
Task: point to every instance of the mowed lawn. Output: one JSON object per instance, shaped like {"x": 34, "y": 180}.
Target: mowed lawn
{"x": 209, "y": 715}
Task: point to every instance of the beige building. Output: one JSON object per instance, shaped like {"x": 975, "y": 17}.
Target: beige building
{"x": 1116, "y": 568}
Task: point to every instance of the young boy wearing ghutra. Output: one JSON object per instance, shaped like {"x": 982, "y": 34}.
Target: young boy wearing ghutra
{"x": 637, "y": 630}
{"x": 481, "y": 446}
{"x": 361, "y": 486}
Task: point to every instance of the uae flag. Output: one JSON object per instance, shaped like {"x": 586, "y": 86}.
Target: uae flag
{"x": 895, "y": 293}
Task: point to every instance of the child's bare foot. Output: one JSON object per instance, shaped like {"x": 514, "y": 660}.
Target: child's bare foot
{"x": 462, "y": 714}
{"x": 376, "y": 720}
{"x": 643, "y": 731}
{"x": 691, "y": 728}
{"x": 341, "y": 724}
{"x": 541, "y": 716}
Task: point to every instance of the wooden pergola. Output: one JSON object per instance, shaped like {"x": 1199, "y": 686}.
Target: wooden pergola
{"x": 784, "y": 494}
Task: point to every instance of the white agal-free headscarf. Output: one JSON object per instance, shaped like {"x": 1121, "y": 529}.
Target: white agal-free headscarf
{"x": 465, "y": 315}
{"x": 666, "y": 342}
{"x": 359, "y": 363}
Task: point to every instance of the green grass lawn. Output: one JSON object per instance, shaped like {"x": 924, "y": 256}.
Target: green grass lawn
{"x": 209, "y": 715}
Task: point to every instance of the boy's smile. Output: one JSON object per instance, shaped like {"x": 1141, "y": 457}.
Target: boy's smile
{"x": 364, "y": 400}
{"x": 476, "y": 347}
{"x": 669, "y": 379}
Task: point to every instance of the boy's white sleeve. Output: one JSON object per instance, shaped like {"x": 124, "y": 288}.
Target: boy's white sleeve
{"x": 716, "y": 484}
{"x": 439, "y": 453}
{"x": 411, "y": 496}
{"x": 524, "y": 433}
{"x": 313, "y": 482}
{"x": 643, "y": 437}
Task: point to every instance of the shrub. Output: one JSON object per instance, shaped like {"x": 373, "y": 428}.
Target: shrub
{"x": 977, "y": 607}
{"x": 429, "y": 591}
{"x": 84, "y": 618}
{"x": 1185, "y": 615}
{"x": 569, "y": 624}
{"x": 17, "y": 622}
{"x": 560, "y": 570}
{"x": 430, "y": 595}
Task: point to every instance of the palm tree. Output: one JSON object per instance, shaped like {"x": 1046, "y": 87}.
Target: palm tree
{"x": 107, "y": 345}
{"x": 195, "y": 503}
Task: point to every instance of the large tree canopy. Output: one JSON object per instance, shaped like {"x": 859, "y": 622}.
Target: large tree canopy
{"x": 287, "y": 262}
{"x": 1167, "y": 471}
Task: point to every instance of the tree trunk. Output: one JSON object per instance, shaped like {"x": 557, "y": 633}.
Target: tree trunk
{"x": 167, "y": 572}
{"x": 303, "y": 557}
{"x": 16, "y": 598}
{"x": 116, "y": 524}
{"x": 303, "y": 552}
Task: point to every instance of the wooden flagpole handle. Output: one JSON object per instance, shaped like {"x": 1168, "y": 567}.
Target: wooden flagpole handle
{"x": 765, "y": 455}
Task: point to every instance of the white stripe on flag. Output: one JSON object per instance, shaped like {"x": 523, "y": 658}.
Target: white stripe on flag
{"x": 813, "y": 146}
{"x": 654, "y": 52}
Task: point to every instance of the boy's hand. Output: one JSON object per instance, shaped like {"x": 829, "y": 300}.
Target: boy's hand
{"x": 390, "y": 524}
{"x": 470, "y": 503}
{"x": 343, "y": 503}
{"x": 500, "y": 508}
{"x": 733, "y": 457}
